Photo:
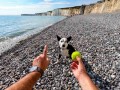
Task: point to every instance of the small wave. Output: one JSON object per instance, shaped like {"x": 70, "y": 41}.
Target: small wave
{"x": 3, "y": 39}
{"x": 23, "y": 31}
{"x": 30, "y": 29}
{"x": 16, "y": 38}
{"x": 16, "y": 34}
{"x": 19, "y": 33}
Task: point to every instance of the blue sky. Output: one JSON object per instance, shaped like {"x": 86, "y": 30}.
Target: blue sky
{"x": 17, "y": 7}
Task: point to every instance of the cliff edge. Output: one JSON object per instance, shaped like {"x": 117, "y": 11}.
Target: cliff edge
{"x": 107, "y": 6}
{"x": 103, "y": 6}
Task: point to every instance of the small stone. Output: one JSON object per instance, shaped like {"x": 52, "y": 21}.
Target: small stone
{"x": 54, "y": 88}
{"x": 98, "y": 82}
{"x": 112, "y": 76}
{"x": 53, "y": 50}
{"x": 69, "y": 83}
{"x": 38, "y": 83}
{"x": 76, "y": 84}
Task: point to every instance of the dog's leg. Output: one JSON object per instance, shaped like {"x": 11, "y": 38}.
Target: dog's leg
{"x": 67, "y": 57}
{"x": 59, "y": 56}
{"x": 58, "y": 60}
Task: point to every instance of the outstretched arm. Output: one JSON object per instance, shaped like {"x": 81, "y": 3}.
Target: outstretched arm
{"x": 27, "y": 82}
{"x": 81, "y": 75}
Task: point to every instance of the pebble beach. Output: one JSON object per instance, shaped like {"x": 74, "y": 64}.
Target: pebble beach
{"x": 96, "y": 36}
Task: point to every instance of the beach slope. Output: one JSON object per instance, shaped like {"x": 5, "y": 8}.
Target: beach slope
{"x": 96, "y": 36}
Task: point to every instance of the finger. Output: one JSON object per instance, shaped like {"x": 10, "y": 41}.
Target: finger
{"x": 72, "y": 67}
{"x": 78, "y": 59}
{"x": 48, "y": 61}
{"x": 75, "y": 64}
{"x": 80, "y": 62}
{"x": 38, "y": 57}
{"x": 45, "y": 50}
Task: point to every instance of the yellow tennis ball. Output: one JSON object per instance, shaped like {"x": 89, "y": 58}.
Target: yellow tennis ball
{"x": 75, "y": 54}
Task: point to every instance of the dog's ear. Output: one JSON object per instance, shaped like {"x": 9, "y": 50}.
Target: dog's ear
{"x": 58, "y": 38}
{"x": 69, "y": 38}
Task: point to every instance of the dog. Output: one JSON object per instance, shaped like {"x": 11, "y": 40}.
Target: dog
{"x": 65, "y": 48}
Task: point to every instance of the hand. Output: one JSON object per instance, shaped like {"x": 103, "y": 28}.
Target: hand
{"x": 78, "y": 68}
{"x": 42, "y": 60}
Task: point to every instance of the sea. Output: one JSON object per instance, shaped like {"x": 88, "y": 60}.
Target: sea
{"x": 16, "y": 28}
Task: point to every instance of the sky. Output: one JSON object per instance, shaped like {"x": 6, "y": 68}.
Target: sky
{"x": 17, "y": 7}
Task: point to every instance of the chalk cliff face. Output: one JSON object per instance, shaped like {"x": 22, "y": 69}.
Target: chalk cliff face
{"x": 103, "y": 6}
{"x": 70, "y": 11}
{"x": 65, "y": 11}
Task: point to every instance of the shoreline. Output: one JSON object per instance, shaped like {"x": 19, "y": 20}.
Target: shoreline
{"x": 92, "y": 35}
{"x": 17, "y": 43}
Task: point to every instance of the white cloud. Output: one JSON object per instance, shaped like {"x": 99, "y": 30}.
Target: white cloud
{"x": 54, "y": 3}
{"x": 17, "y": 10}
{"x": 48, "y": 0}
{"x": 32, "y": 8}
